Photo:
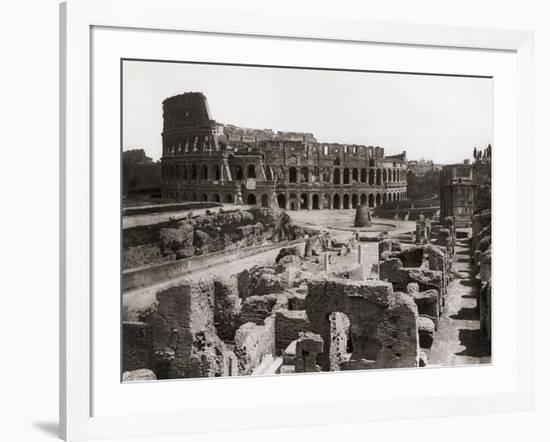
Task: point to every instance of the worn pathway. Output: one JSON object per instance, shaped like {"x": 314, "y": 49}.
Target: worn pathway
{"x": 458, "y": 340}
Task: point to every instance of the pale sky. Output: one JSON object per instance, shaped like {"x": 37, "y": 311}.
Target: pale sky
{"x": 432, "y": 117}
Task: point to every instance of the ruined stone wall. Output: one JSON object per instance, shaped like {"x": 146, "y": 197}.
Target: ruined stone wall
{"x": 383, "y": 324}
{"x": 253, "y": 342}
{"x": 205, "y": 234}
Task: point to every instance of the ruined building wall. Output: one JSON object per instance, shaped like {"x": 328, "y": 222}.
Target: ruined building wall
{"x": 203, "y": 161}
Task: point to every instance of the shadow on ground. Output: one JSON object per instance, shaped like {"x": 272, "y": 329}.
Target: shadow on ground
{"x": 475, "y": 346}
{"x": 466, "y": 314}
{"x": 50, "y": 428}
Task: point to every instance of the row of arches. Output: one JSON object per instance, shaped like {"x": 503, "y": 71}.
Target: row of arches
{"x": 334, "y": 175}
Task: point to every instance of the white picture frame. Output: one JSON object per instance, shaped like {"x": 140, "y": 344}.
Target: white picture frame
{"x": 77, "y": 377}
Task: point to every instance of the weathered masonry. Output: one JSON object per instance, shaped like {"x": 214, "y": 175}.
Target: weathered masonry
{"x": 204, "y": 160}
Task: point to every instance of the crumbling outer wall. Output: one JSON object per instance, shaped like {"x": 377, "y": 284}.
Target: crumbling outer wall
{"x": 137, "y": 346}
{"x": 185, "y": 341}
{"x": 383, "y": 324}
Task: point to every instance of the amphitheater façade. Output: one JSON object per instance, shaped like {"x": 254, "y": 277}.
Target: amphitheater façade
{"x": 204, "y": 160}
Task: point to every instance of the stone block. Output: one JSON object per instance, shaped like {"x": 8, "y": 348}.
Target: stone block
{"x": 426, "y": 330}
{"x": 308, "y": 346}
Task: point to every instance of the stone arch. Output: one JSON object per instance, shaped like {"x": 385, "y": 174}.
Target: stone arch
{"x": 194, "y": 197}
{"x": 304, "y": 175}
{"x": 371, "y": 199}
{"x": 378, "y": 199}
{"x": 204, "y": 172}
{"x": 354, "y": 201}
{"x": 251, "y": 171}
{"x": 304, "y": 201}
{"x": 315, "y": 202}
{"x": 292, "y": 175}
{"x": 371, "y": 177}
{"x": 193, "y": 172}
{"x": 229, "y": 198}
{"x": 346, "y": 175}
{"x": 216, "y": 172}
{"x": 239, "y": 175}
{"x": 265, "y": 200}
{"x": 384, "y": 175}
{"x": 215, "y": 198}
{"x": 363, "y": 175}
{"x": 363, "y": 199}
{"x": 251, "y": 199}
{"x": 281, "y": 200}
{"x": 336, "y": 201}
{"x": 336, "y": 179}
{"x": 378, "y": 177}
{"x": 394, "y": 178}
{"x": 355, "y": 174}
{"x": 346, "y": 201}
{"x": 316, "y": 174}
{"x": 382, "y": 323}
{"x": 204, "y": 197}
{"x": 384, "y": 198}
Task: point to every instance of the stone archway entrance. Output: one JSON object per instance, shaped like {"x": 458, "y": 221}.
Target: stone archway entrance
{"x": 383, "y": 324}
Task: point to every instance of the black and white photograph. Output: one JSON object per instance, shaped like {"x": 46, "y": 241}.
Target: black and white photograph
{"x": 279, "y": 220}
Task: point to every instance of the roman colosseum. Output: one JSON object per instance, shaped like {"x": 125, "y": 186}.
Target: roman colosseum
{"x": 204, "y": 160}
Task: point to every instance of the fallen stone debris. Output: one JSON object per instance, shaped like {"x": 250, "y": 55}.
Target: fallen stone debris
{"x": 318, "y": 305}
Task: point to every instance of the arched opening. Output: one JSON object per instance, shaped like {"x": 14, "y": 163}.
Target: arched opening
{"x": 184, "y": 197}
{"x": 346, "y": 201}
{"x": 355, "y": 174}
{"x": 384, "y": 198}
{"x": 326, "y": 201}
{"x": 265, "y": 200}
{"x": 184, "y": 172}
{"x": 346, "y": 175}
{"x": 216, "y": 198}
{"x": 239, "y": 173}
{"x": 251, "y": 171}
{"x": 293, "y": 202}
{"x": 217, "y": 172}
{"x": 394, "y": 175}
{"x": 336, "y": 202}
{"x": 292, "y": 175}
{"x": 204, "y": 172}
{"x": 281, "y": 200}
{"x": 363, "y": 175}
{"x": 316, "y": 177}
{"x": 378, "y": 199}
{"x": 341, "y": 346}
{"x": 378, "y": 177}
{"x": 384, "y": 175}
{"x": 336, "y": 179}
{"x": 398, "y": 196}
{"x": 371, "y": 200}
{"x": 204, "y": 197}
{"x": 315, "y": 202}
{"x": 363, "y": 199}
{"x": 229, "y": 198}
{"x": 303, "y": 201}
{"x": 281, "y": 174}
{"x": 326, "y": 175}
{"x": 371, "y": 176}
{"x": 371, "y": 163}
{"x": 268, "y": 173}
{"x": 193, "y": 197}
{"x": 251, "y": 199}
{"x": 304, "y": 175}
{"x": 193, "y": 172}
{"x": 354, "y": 201}
{"x": 337, "y": 161}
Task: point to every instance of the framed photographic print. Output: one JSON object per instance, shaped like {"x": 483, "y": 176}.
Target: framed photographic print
{"x": 322, "y": 219}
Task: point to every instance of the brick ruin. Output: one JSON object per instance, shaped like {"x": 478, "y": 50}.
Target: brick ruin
{"x": 316, "y": 307}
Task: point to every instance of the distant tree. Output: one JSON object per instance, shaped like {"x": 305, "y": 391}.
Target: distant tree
{"x": 136, "y": 156}
{"x": 475, "y": 153}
